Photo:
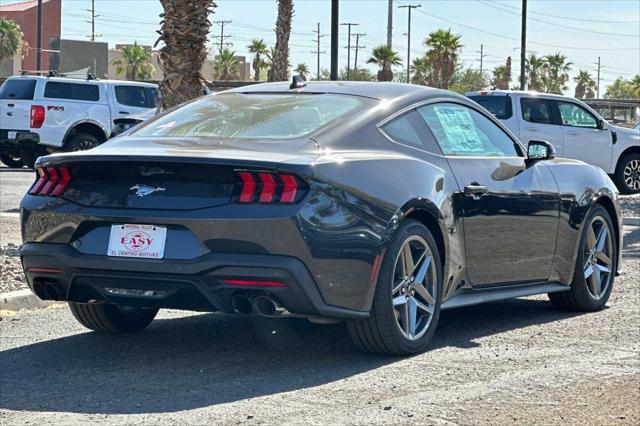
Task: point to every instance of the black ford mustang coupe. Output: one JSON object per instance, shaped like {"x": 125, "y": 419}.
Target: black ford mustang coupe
{"x": 379, "y": 204}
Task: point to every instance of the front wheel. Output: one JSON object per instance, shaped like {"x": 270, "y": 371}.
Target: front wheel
{"x": 595, "y": 266}
{"x": 627, "y": 175}
{"x": 110, "y": 318}
{"x": 406, "y": 304}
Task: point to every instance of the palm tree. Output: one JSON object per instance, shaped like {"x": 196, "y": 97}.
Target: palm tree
{"x": 384, "y": 57}
{"x": 184, "y": 30}
{"x": 420, "y": 70}
{"x": 10, "y": 38}
{"x": 135, "y": 63}
{"x": 444, "y": 47}
{"x": 226, "y": 65}
{"x": 535, "y": 69}
{"x": 302, "y": 69}
{"x": 258, "y": 47}
{"x": 558, "y": 73}
{"x": 280, "y": 65}
{"x": 635, "y": 83}
{"x": 502, "y": 75}
{"x": 585, "y": 85}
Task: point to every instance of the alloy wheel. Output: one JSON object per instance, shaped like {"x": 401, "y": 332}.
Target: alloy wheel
{"x": 598, "y": 264}
{"x": 85, "y": 145}
{"x": 414, "y": 291}
{"x": 632, "y": 174}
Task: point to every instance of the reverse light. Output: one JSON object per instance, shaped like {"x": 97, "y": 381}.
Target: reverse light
{"x": 37, "y": 116}
{"x": 265, "y": 188}
{"x": 254, "y": 283}
{"x": 52, "y": 181}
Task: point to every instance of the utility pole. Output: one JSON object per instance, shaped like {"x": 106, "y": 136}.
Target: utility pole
{"x": 222, "y": 36}
{"x": 39, "y": 36}
{"x": 349, "y": 25}
{"x": 358, "y": 47}
{"x": 335, "y": 27}
{"x": 93, "y": 34}
{"x": 523, "y": 45}
{"x": 598, "y": 84}
{"x": 390, "y": 24}
{"x": 409, "y": 7}
{"x": 482, "y": 56}
{"x": 318, "y": 51}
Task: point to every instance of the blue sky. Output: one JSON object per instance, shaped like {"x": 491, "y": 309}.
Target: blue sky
{"x": 580, "y": 29}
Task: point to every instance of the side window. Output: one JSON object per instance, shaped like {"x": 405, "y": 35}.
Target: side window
{"x": 575, "y": 115}
{"x": 462, "y": 131}
{"x": 134, "y": 96}
{"x": 536, "y": 110}
{"x": 79, "y": 92}
{"x": 410, "y": 129}
{"x": 152, "y": 96}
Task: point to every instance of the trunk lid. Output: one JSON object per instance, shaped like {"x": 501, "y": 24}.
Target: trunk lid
{"x": 16, "y": 98}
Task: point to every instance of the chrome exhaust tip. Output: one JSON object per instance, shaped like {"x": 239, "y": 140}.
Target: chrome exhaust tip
{"x": 242, "y": 304}
{"x": 269, "y": 307}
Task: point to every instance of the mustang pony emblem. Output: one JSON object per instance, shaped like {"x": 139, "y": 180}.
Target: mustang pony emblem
{"x": 144, "y": 190}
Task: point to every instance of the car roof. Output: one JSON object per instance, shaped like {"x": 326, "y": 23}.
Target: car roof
{"x": 373, "y": 90}
{"x": 517, "y": 92}
{"x": 81, "y": 80}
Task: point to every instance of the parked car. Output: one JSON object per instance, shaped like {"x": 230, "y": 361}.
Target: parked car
{"x": 47, "y": 114}
{"x": 576, "y": 131}
{"x": 379, "y": 204}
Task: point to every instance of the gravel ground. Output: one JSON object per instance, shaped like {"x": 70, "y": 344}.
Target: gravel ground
{"x": 519, "y": 361}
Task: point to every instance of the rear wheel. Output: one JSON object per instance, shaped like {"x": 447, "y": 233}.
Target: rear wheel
{"x": 111, "y": 318}
{"x": 406, "y": 304}
{"x": 81, "y": 142}
{"x": 595, "y": 266}
{"x": 627, "y": 176}
{"x": 12, "y": 160}
{"x": 29, "y": 158}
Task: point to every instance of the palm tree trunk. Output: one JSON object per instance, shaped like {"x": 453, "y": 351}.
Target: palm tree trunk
{"x": 256, "y": 67}
{"x": 280, "y": 66}
{"x": 184, "y": 31}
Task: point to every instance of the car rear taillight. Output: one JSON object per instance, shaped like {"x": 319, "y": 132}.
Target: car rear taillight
{"x": 265, "y": 188}
{"x": 37, "y": 116}
{"x": 52, "y": 181}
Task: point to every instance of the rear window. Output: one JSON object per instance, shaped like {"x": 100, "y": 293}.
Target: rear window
{"x": 498, "y": 105}
{"x": 77, "y": 92}
{"x": 19, "y": 89}
{"x": 253, "y": 115}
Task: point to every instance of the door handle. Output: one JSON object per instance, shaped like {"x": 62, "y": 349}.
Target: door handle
{"x": 573, "y": 133}
{"x": 531, "y": 129}
{"x": 475, "y": 190}
{"x": 124, "y": 112}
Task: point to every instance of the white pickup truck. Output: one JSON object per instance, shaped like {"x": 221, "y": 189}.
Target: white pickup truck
{"x": 46, "y": 114}
{"x": 576, "y": 131}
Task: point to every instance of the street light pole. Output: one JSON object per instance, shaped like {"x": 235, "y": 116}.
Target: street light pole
{"x": 349, "y": 25}
{"x": 523, "y": 45}
{"x": 409, "y": 7}
{"x": 335, "y": 26}
{"x": 39, "y": 38}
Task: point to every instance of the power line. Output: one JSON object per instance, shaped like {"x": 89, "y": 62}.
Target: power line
{"x": 555, "y": 24}
{"x": 357, "y": 48}
{"x": 349, "y": 25}
{"x": 482, "y": 56}
{"x": 93, "y": 21}
{"x": 318, "y": 51}
{"x": 222, "y": 36}
{"x": 409, "y": 8}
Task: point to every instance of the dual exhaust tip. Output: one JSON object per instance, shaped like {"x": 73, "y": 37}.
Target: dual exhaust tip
{"x": 261, "y": 305}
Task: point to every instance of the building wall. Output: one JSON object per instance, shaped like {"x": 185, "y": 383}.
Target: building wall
{"x": 26, "y": 15}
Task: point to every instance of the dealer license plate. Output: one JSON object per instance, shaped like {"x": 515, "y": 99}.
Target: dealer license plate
{"x": 134, "y": 240}
{"x": 12, "y": 135}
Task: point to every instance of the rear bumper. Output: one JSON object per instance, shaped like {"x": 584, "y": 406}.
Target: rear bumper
{"x": 195, "y": 284}
{"x": 24, "y": 141}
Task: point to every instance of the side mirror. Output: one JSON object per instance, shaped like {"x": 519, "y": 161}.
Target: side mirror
{"x": 541, "y": 150}
{"x": 601, "y": 123}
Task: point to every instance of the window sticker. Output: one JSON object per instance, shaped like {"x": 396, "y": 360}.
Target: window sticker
{"x": 460, "y": 129}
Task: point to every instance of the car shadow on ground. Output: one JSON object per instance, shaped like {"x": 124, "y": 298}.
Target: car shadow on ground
{"x": 203, "y": 360}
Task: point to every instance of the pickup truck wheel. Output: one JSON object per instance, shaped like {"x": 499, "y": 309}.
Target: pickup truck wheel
{"x": 111, "y": 318}
{"x": 81, "y": 142}
{"x": 627, "y": 176}
{"x": 12, "y": 160}
{"x": 29, "y": 158}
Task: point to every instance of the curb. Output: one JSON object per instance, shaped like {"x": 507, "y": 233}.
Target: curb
{"x": 631, "y": 221}
{"x": 21, "y": 299}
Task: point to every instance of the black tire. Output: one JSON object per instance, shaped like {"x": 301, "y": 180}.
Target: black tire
{"x": 12, "y": 160}
{"x": 29, "y": 158}
{"x": 579, "y": 297}
{"x": 619, "y": 176}
{"x": 110, "y": 318}
{"x": 81, "y": 142}
{"x": 380, "y": 333}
